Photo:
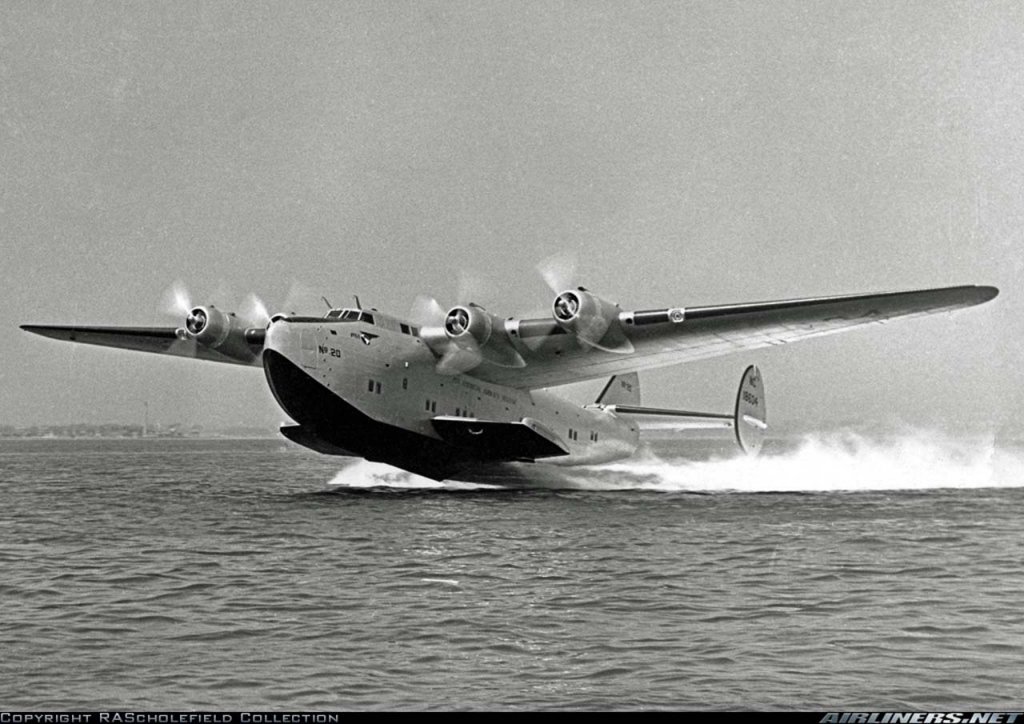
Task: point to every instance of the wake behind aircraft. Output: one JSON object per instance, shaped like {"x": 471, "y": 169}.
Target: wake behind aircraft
{"x": 446, "y": 393}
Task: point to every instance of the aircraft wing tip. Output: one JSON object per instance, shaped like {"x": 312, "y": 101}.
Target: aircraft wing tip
{"x": 987, "y": 293}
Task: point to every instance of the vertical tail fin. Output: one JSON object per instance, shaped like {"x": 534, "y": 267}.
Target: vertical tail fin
{"x": 621, "y": 390}
{"x": 751, "y": 416}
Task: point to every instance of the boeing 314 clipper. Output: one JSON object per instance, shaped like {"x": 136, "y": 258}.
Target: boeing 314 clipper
{"x": 443, "y": 393}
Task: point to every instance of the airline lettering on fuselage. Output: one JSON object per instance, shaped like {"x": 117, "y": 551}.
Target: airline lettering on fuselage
{"x": 332, "y": 351}
{"x": 486, "y": 392}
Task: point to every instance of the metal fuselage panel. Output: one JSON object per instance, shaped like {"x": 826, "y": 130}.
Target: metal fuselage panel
{"x": 386, "y": 383}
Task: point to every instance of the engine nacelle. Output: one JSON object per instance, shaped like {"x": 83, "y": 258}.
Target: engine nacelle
{"x": 463, "y": 323}
{"x": 585, "y": 314}
{"x": 221, "y": 331}
{"x": 473, "y": 328}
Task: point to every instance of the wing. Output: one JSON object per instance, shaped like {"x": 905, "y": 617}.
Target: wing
{"x": 159, "y": 340}
{"x": 665, "y": 337}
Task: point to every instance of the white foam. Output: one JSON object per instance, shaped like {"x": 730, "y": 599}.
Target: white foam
{"x": 366, "y": 474}
{"x": 820, "y": 463}
{"x": 837, "y": 462}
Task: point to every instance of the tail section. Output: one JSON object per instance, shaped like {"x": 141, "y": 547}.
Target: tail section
{"x": 621, "y": 390}
{"x": 748, "y": 421}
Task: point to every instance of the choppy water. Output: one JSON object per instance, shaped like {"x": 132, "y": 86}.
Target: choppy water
{"x": 186, "y": 574}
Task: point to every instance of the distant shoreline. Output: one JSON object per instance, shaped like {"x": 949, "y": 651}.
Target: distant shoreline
{"x": 87, "y": 434}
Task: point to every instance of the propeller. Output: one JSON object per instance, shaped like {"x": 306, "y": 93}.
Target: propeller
{"x": 300, "y": 296}
{"x": 559, "y": 271}
{"x": 426, "y": 312}
{"x": 196, "y": 321}
{"x": 460, "y": 357}
{"x": 457, "y": 355}
{"x": 252, "y": 317}
{"x": 253, "y": 312}
{"x": 176, "y": 300}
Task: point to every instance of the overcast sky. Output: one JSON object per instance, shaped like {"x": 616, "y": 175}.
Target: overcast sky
{"x": 689, "y": 153}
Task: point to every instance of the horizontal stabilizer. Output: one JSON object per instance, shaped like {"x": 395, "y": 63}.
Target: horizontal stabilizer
{"x": 749, "y": 418}
{"x": 526, "y": 439}
{"x": 681, "y": 419}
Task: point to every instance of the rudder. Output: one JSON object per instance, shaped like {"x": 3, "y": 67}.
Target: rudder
{"x": 751, "y": 413}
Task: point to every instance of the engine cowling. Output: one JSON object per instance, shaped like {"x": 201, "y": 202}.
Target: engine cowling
{"x": 223, "y": 332}
{"x": 585, "y": 315}
{"x": 469, "y": 322}
{"x": 474, "y": 335}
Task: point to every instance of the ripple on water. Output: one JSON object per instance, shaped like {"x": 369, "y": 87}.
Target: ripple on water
{"x": 129, "y": 583}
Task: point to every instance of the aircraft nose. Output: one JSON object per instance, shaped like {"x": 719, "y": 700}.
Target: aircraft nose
{"x": 278, "y": 335}
{"x": 295, "y": 340}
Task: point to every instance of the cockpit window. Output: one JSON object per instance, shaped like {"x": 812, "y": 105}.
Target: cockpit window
{"x": 349, "y": 315}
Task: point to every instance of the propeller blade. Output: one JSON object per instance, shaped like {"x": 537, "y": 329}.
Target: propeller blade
{"x": 253, "y": 312}
{"x": 458, "y": 359}
{"x": 473, "y": 287}
{"x": 176, "y": 300}
{"x": 183, "y": 346}
{"x": 301, "y": 297}
{"x": 624, "y": 346}
{"x": 559, "y": 271}
{"x": 426, "y": 312}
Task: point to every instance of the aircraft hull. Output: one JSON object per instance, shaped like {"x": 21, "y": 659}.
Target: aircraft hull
{"x": 330, "y": 424}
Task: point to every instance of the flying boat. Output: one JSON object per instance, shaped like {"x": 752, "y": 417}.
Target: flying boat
{"x": 442, "y": 393}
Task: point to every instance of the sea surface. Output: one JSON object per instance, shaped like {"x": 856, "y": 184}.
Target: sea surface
{"x": 831, "y": 573}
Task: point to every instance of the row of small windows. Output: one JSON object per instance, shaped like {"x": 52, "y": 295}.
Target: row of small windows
{"x": 374, "y": 387}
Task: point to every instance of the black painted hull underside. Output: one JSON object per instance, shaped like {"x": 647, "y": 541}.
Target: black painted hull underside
{"x": 330, "y": 425}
